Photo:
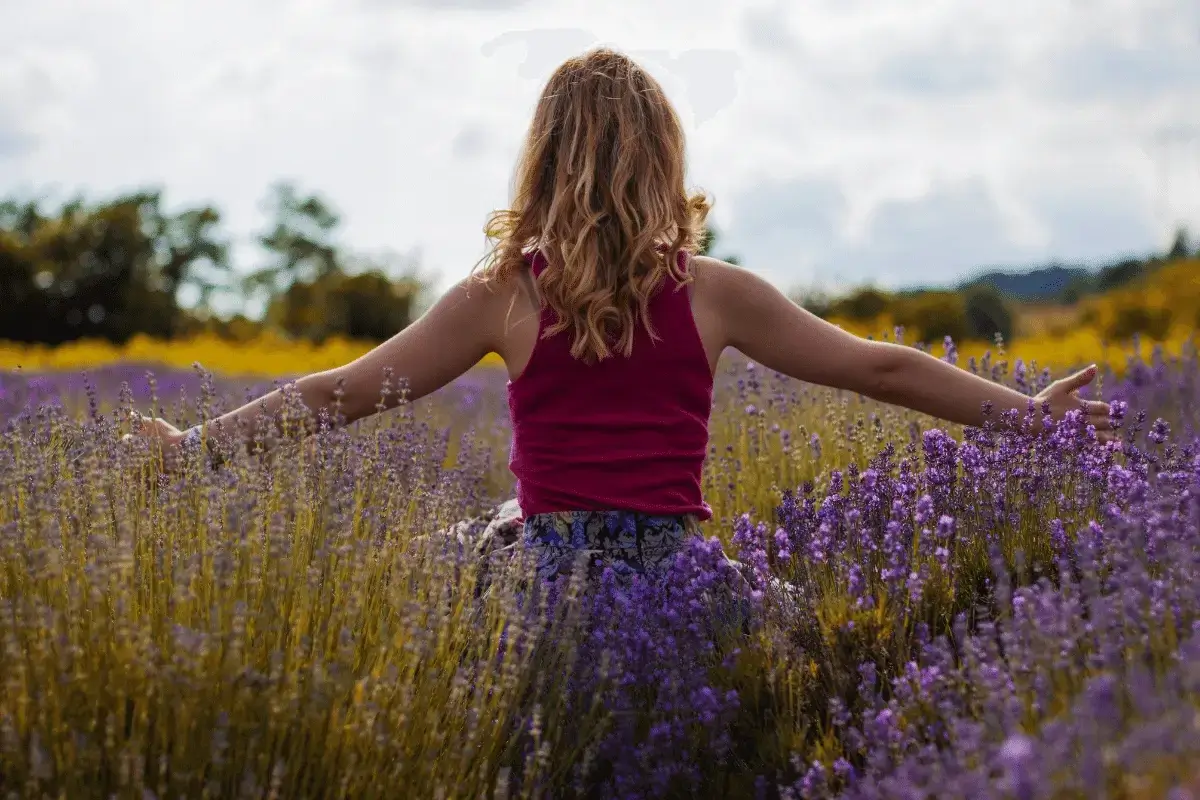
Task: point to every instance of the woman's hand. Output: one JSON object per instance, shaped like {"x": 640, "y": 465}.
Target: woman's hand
{"x": 1063, "y": 396}
{"x": 167, "y": 434}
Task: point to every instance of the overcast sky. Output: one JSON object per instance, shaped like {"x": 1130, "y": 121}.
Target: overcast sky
{"x": 843, "y": 141}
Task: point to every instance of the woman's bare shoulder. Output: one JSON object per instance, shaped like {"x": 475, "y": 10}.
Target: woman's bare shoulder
{"x": 713, "y": 268}
{"x": 507, "y": 306}
{"x": 714, "y": 280}
{"x": 730, "y": 288}
{"x": 491, "y": 292}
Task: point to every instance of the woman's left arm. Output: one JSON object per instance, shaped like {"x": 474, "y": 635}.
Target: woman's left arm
{"x": 450, "y": 338}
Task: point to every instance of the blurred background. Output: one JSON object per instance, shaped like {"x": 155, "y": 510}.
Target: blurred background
{"x": 273, "y": 187}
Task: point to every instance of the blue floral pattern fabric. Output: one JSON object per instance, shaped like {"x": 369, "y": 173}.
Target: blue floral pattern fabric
{"x": 630, "y": 542}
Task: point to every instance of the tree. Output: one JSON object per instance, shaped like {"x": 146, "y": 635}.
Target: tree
{"x": 299, "y": 243}
{"x": 127, "y": 266}
{"x": 188, "y": 250}
{"x": 987, "y": 313}
{"x": 298, "y": 240}
{"x": 1135, "y": 318}
{"x": 863, "y": 305}
{"x": 931, "y": 316}
{"x": 1119, "y": 274}
{"x": 25, "y": 313}
{"x": 1076, "y": 289}
{"x": 1181, "y": 247}
{"x": 106, "y": 270}
{"x": 368, "y": 305}
{"x": 20, "y": 217}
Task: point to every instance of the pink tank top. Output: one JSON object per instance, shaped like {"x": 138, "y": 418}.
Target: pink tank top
{"x": 624, "y": 433}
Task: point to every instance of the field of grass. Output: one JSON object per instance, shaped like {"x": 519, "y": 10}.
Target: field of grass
{"x": 914, "y": 611}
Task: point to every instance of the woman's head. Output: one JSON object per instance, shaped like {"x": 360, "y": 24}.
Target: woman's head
{"x": 599, "y": 187}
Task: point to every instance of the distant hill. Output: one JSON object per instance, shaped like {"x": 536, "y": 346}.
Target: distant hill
{"x": 1152, "y": 295}
{"x": 1059, "y": 283}
{"x": 1039, "y": 285}
{"x": 1056, "y": 283}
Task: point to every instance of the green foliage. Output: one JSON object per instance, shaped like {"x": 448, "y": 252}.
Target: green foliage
{"x": 1063, "y": 284}
{"x": 987, "y": 314}
{"x": 1151, "y": 306}
{"x": 107, "y": 270}
{"x": 931, "y": 316}
{"x": 1075, "y": 291}
{"x": 238, "y": 328}
{"x": 1131, "y": 320}
{"x": 313, "y": 294}
{"x": 1114, "y": 299}
{"x": 298, "y": 240}
{"x": 1119, "y": 274}
{"x": 127, "y": 266}
{"x": 1181, "y": 246}
{"x": 863, "y": 305}
{"x": 369, "y": 306}
{"x": 1129, "y": 270}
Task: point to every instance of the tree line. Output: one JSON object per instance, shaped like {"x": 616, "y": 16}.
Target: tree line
{"x": 128, "y": 266}
{"x": 984, "y": 307}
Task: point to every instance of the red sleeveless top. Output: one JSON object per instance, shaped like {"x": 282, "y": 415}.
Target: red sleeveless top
{"x": 624, "y": 433}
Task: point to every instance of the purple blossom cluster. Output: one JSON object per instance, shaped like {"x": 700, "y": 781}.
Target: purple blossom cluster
{"x": 1082, "y": 680}
{"x": 656, "y": 657}
{"x": 881, "y": 607}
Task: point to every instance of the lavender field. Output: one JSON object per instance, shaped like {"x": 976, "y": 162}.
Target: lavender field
{"x": 881, "y": 608}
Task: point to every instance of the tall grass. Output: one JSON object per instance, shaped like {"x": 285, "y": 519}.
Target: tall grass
{"x": 913, "y": 611}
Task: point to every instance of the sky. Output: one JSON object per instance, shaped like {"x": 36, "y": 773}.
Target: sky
{"x": 842, "y": 141}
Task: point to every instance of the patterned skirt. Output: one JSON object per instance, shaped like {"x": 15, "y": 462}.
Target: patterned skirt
{"x": 630, "y": 542}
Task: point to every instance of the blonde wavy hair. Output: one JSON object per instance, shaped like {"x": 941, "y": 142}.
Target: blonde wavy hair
{"x": 599, "y": 189}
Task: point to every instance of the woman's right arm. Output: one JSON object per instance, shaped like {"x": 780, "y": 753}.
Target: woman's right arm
{"x": 446, "y": 341}
{"x": 767, "y": 327}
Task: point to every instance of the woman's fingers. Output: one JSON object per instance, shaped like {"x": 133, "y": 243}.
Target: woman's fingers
{"x": 1072, "y": 383}
{"x": 1094, "y": 410}
{"x": 1091, "y": 406}
{"x": 155, "y": 428}
{"x": 1096, "y": 413}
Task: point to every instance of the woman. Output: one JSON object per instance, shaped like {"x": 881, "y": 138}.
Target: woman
{"x": 610, "y": 328}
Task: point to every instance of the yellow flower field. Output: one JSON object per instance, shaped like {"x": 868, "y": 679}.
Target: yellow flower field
{"x": 1080, "y": 346}
{"x": 271, "y": 356}
{"x": 266, "y": 356}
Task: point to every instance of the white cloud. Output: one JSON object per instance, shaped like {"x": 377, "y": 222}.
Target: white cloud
{"x": 841, "y": 140}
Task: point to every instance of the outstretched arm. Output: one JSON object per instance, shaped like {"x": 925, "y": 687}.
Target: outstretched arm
{"x": 766, "y": 326}
{"x": 449, "y": 339}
